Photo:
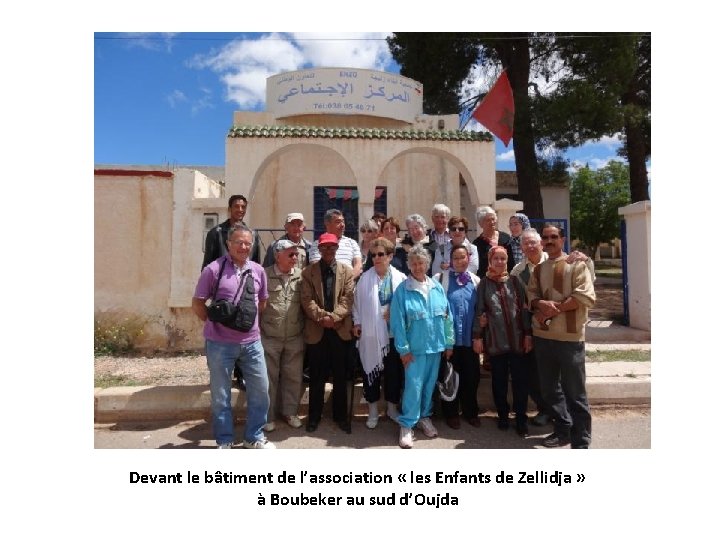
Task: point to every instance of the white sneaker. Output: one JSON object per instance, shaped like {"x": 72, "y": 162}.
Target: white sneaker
{"x": 406, "y": 437}
{"x": 225, "y": 446}
{"x": 270, "y": 426}
{"x": 427, "y": 428}
{"x": 373, "y": 416}
{"x": 262, "y": 444}
{"x": 293, "y": 421}
{"x": 392, "y": 412}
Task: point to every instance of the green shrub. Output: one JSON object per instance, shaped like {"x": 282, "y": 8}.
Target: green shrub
{"x": 117, "y": 332}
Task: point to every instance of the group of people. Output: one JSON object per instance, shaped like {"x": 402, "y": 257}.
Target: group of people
{"x": 405, "y": 310}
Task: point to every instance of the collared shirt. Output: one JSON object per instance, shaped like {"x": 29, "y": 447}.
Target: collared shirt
{"x": 328, "y": 281}
{"x": 348, "y": 250}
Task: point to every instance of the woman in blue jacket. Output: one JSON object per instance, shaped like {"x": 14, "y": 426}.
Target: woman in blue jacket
{"x": 422, "y": 324}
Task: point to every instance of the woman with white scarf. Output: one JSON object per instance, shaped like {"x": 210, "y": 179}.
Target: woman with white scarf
{"x": 371, "y": 315}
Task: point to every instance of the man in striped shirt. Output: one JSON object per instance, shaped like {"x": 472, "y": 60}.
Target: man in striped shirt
{"x": 348, "y": 251}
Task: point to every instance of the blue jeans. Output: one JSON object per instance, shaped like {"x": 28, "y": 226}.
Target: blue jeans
{"x": 221, "y": 359}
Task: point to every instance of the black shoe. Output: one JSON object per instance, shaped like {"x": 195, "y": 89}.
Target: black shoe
{"x": 503, "y": 423}
{"x": 521, "y": 429}
{"x": 311, "y": 426}
{"x": 556, "y": 439}
{"x": 345, "y": 426}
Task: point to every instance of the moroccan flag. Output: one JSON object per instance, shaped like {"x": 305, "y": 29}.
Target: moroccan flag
{"x": 497, "y": 111}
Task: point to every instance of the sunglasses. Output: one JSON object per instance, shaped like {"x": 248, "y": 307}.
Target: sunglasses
{"x": 551, "y": 237}
{"x": 377, "y": 254}
{"x": 455, "y": 229}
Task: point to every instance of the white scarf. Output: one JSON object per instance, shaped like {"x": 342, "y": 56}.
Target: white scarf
{"x": 374, "y": 342}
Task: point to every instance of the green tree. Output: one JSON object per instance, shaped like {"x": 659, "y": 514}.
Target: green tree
{"x": 442, "y": 61}
{"x": 606, "y": 91}
{"x": 595, "y": 197}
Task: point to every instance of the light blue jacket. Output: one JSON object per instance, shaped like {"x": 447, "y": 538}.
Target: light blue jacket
{"x": 421, "y": 326}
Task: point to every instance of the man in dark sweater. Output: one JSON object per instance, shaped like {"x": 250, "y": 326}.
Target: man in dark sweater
{"x": 216, "y": 239}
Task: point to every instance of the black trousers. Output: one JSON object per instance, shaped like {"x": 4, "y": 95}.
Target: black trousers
{"x": 562, "y": 380}
{"x": 534, "y": 385}
{"x": 393, "y": 376}
{"x": 328, "y": 357}
{"x": 467, "y": 365}
{"x": 516, "y": 366}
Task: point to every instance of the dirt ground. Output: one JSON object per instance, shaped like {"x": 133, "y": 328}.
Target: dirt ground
{"x": 190, "y": 368}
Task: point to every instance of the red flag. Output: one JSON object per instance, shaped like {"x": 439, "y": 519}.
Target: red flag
{"x": 497, "y": 110}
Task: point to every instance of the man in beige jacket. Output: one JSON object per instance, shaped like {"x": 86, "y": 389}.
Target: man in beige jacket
{"x": 560, "y": 294}
{"x": 327, "y": 294}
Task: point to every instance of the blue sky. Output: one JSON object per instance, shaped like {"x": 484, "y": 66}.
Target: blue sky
{"x": 169, "y": 98}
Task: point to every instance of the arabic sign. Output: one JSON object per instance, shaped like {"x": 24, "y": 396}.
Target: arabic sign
{"x": 344, "y": 91}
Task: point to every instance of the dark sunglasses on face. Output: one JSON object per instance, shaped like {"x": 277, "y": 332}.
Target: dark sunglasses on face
{"x": 551, "y": 237}
{"x": 377, "y": 254}
{"x": 455, "y": 229}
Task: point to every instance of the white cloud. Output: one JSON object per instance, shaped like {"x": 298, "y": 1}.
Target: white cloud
{"x": 159, "y": 41}
{"x": 175, "y": 98}
{"x": 244, "y": 65}
{"x": 355, "y": 50}
{"x": 506, "y": 156}
{"x": 204, "y": 102}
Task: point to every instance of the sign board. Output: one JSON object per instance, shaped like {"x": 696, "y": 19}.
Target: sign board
{"x": 344, "y": 91}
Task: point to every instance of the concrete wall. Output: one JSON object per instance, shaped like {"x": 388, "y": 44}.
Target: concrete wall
{"x": 147, "y": 252}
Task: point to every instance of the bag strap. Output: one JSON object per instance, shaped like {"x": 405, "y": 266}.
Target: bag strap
{"x": 242, "y": 280}
{"x": 217, "y": 283}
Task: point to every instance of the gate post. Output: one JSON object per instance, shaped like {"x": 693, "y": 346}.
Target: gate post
{"x": 637, "y": 219}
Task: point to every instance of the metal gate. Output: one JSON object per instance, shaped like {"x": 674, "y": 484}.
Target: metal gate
{"x": 625, "y": 286}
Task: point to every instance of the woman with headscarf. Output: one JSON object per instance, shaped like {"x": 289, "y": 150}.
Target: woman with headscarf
{"x": 506, "y": 338}
{"x": 489, "y": 237}
{"x": 376, "y": 346}
{"x": 519, "y": 222}
{"x": 422, "y": 324}
{"x": 460, "y": 286}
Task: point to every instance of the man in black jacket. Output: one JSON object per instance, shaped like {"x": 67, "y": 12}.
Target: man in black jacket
{"x": 216, "y": 239}
{"x": 216, "y": 246}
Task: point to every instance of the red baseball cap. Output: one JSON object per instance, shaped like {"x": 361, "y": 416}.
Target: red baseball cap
{"x": 327, "y": 238}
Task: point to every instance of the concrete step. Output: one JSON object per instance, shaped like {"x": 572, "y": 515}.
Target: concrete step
{"x": 618, "y": 383}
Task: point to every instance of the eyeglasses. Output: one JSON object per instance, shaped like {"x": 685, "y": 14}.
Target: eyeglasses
{"x": 377, "y": 254}
{"x": 455, "y": 229}
{"x": 551, "y": 237}
{"x": 293, "y": 254}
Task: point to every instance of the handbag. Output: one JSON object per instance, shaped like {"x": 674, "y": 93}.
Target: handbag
{"x": 448, "y": 382}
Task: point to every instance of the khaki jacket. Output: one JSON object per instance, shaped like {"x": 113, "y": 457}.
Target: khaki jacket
{"x": 283, "y": 317}
{"x": 313, "y": 301}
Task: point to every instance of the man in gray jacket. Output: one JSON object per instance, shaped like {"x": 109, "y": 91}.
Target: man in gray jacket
{"x": 281, "y": 327}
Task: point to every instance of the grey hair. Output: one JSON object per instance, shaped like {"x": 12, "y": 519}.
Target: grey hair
{"x": 482, "y": 212}
{"x": 530, "y": 232}
{"x": 241, "y": 228}
{"x": 330, "y": 214}
{"x": 417, "y": 218}
{"x": 370, "y": 225}
{"x": 419, "y": 252}
{"x": 440, "y": 209}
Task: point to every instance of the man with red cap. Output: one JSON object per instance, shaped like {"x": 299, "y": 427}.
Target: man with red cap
{"x": 326, "y": 295}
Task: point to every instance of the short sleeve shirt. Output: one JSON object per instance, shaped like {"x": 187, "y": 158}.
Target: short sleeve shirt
{"x": 228, "y": 286}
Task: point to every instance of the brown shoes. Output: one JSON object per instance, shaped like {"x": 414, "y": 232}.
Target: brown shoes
{"x": 453, "y": 422}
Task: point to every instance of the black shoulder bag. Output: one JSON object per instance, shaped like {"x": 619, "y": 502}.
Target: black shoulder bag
{"x": 241, "y": 316}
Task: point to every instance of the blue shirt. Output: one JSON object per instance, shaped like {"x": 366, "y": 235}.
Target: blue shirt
{"x": 462, "y": 301}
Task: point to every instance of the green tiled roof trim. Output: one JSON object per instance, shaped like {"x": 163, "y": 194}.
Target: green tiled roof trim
{"x": 358, "y": 133}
